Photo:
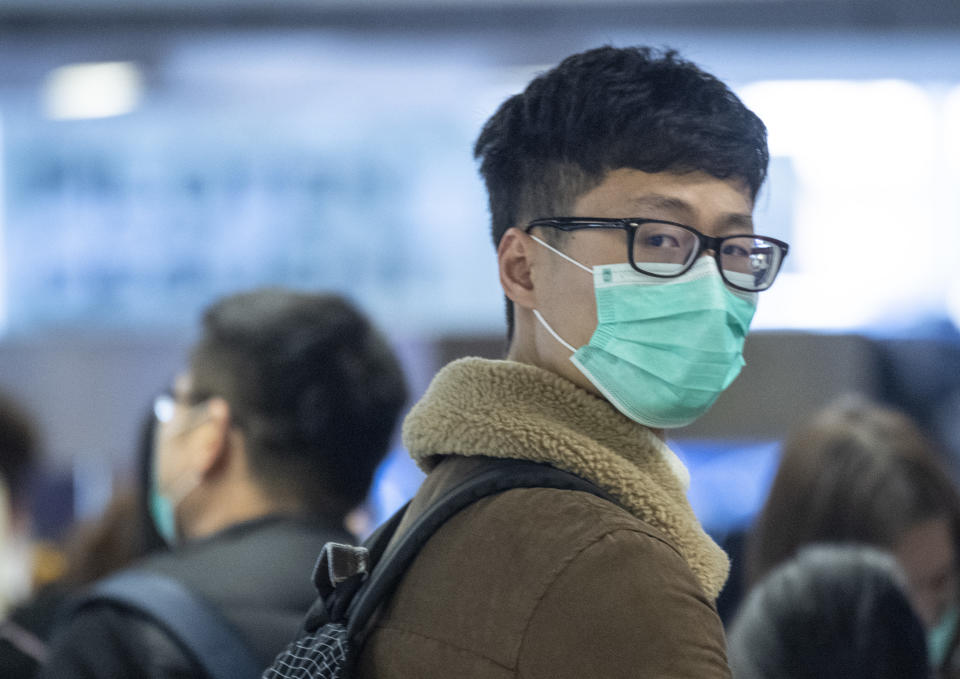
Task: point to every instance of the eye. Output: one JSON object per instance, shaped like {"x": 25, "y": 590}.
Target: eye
{"x": 661, "y": 240}
{"x": 733, "y": 250}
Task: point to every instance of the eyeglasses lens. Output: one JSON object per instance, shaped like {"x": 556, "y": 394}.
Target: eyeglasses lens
{"x": 750, "y": 263}
{"x": 163, "y": 407}
{"x": 663, "y": 249}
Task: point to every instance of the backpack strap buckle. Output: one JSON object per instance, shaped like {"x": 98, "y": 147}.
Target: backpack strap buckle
{"x": 338, "y": 563}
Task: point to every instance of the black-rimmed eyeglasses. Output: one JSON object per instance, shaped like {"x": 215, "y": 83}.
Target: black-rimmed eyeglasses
{"x": 667, "y": 249}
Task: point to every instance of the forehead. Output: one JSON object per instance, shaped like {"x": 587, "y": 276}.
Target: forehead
{"x": 693, "y": 197}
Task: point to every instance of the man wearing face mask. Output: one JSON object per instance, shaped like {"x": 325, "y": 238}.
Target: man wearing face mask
{"x": 267, "y": 441}
{"x": 621, "y": 187}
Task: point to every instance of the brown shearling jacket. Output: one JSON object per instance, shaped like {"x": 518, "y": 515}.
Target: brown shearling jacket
{"x": 544, "y": 583}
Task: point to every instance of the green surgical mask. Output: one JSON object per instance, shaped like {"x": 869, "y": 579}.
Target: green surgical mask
{"x": 664, "y": 348}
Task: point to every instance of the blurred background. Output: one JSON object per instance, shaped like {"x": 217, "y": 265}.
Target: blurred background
{"x": 155, "y": 155}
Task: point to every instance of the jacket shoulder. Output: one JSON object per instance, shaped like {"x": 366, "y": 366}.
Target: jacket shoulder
{"x": 577, "y": 516}
{"x": 626, "y": 601}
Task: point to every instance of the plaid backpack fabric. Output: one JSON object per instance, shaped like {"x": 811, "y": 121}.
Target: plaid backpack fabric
{"x": 321, "y": 654}
{"x": 354, "y": 581}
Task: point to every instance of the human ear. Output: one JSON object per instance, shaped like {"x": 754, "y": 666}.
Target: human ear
{"x": 515, "y": 264}
{"x": 212, "y": 437}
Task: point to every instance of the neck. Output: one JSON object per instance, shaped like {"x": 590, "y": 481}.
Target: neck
{"x": 228, "y": 506}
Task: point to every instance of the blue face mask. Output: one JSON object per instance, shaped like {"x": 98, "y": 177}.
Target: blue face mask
{"x": 941, "y": 636}
{"x": 664, "y": 348}
{"x": 163, "y": 505}
{"x": 163, "y": 515}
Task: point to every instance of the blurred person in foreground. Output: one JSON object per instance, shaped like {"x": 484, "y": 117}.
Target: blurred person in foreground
{"x": 92, "y": 549}
{"x": 268, "y": 440}
{"x": 20, "y": 646}
{"x": 830, "y": 612}
{"x": 19, "y": 450}
{"x": 621, "y": 187}
{"x": 858, "y": 472}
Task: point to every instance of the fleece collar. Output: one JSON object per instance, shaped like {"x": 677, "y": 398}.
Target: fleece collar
{"x": 507, "y": 409}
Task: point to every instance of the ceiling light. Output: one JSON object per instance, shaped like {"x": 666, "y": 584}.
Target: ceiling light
{"x": 92, "y": 90}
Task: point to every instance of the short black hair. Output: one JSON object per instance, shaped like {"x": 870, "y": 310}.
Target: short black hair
{"x": 606, "y": 109}
{"x": 833, "y": 611}
{"x": 315, "y": 388}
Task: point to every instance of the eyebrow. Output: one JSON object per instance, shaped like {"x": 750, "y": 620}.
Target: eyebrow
{"x": 656, "y": 201}
{"x": 659, "y": 201}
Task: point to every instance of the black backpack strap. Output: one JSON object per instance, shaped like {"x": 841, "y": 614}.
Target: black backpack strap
{"x": 336, "y": 591}
{"x": 195, "y": 625}
{"x": 24, "y": 641}
{"x": 498, "y": 477}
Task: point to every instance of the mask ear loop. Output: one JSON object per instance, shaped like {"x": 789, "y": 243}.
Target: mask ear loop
{"x": 537, "y": 313}
{"x": 566, "y": 257}
{"x": 186, "y": 483}
{"x": 553, "y": 332}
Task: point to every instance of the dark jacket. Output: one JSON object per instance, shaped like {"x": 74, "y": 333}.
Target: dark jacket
{"x": 25, "y": 631}
{"x": 256, "y": 574}
{"x": 544, "y": 583}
